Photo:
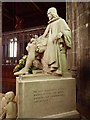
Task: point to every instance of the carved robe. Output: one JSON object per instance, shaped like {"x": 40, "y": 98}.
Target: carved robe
{"x": 59, "y": 40}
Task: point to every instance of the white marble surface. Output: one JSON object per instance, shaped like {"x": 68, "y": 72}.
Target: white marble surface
{"x": 45, "y": 95}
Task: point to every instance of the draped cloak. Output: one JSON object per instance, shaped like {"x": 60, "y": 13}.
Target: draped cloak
{"x": 55, "y": 52}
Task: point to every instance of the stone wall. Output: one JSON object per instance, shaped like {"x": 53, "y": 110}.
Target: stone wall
{"x": 78, "y": 17}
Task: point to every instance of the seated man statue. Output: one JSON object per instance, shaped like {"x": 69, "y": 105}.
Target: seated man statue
{"x": 53, "y": 44}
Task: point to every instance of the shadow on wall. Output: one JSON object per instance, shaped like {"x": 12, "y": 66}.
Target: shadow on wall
{"x": 84, "y": 83}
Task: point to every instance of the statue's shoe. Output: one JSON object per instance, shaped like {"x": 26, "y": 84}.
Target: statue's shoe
{"x": 52, "y": 69}
{"x": 57, "y": 73}
{"x": 21, "y": 72}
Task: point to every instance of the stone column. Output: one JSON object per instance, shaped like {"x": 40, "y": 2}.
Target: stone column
{"x": 78, "y": 17}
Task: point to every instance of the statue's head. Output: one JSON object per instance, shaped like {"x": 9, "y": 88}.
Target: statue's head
{"x": 9, "y": 96}
{"x": 52, "y": 13}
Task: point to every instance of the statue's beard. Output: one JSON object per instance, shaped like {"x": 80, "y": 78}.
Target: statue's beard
{"x": 50, "y": 18}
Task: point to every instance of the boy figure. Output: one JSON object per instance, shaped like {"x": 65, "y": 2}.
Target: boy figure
{"x": 9, "y": 109}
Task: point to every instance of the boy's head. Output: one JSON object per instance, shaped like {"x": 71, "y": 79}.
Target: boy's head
{"x": 9, "y": 96}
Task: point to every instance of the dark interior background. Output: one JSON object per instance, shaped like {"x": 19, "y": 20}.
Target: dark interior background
{"x": 32, "y": 14}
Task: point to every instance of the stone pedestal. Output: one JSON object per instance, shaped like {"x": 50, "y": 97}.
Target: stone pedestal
{"x": 45, "y": 96}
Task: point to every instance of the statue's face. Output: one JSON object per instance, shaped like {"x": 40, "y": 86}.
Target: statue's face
{"x": 49, "y": 16}
{"x": 7, "y": 98}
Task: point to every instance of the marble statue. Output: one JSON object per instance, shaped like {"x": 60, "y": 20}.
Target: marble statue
{"x": 3, "y": 104}
{"x": 53, "y": 44}
{"x": 9, "y": 108}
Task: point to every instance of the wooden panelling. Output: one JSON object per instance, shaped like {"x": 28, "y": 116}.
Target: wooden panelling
{"x": 23, "y": 37}
{"x": 8, "y": 63}
{"x": 8, "y": 78}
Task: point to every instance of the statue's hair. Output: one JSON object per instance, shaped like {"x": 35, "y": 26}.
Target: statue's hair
{"x": 52, "y": 11}
{"x": 10, "y": 95}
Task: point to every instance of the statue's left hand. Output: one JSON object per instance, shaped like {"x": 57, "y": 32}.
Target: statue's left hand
{"x": 58, "y": 37}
